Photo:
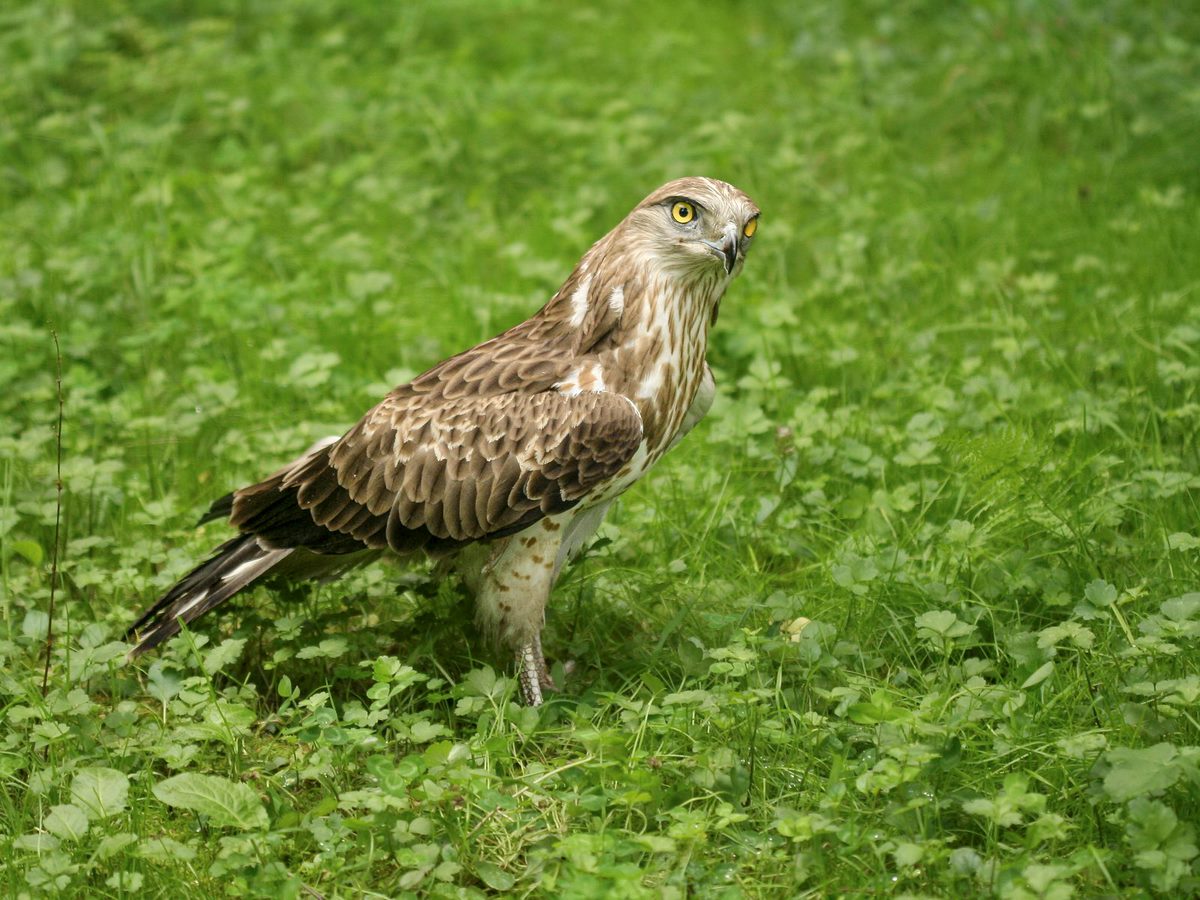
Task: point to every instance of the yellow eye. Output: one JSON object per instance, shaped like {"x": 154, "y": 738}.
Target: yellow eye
{"x": 683, "y": 212}
{"x": 751, "y": 227}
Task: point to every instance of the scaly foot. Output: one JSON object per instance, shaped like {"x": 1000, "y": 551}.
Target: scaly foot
{"x": 533, "y": 673}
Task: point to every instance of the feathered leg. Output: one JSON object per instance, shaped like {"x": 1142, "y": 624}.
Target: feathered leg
{"x": 514, "y": 586}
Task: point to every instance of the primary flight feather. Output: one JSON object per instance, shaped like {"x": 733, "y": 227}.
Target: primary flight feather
{"x": 505, "y": 457}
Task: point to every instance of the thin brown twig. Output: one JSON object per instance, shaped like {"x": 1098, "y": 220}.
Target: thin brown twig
{"x": 58, "y": 487}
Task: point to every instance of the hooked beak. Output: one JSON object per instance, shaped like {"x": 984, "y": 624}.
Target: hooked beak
{"x": 727, "y": 248}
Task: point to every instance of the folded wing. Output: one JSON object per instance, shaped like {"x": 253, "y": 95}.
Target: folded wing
{"x": 422, "y": 474}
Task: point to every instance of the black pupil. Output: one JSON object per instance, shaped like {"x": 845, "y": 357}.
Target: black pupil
{"x": 684, "y": 212}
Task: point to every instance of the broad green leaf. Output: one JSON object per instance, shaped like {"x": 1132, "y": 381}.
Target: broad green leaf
{"x": 422, "y": 731}
{"x": 944, "y": 623}
{"x": 801, "y": 825}
{"x": 1180, "y": 609}
{"x": 481, "y": 682}
{"x": 656, "y": 843}
{"x": 385, "y": 668}
{"x": 1181, "y": 540}
{"x": 1079, "y": 635}
{"x": 1083, "y": 745}
{"x": 1151, "y": 823}
{"x": 1010, "y": 804}
{"x": 113, "y": 844}
{"x": 330, "y": 647}
{"x": 687, "y": 698}
{"x": 100, "y": 792}
{"x": 161, "y": 683}
{"x": 1138, "y": 772}
{"x": 1100, "y": 593}
{"x": 37, "y": 843}
{"x": 34, "y": 624}
{"x": 31, "y": 551}
{"x": 958, "y": 532}
{"x": 223, "y": 654}
{"x": 908, "y": 854}
{"x": 165, "y": 849}
{"x": 494, "y": 877}
{"x": 125, "y": 882}
{"x": 1164, "y": 846}
{"x": 235, "y": 717}
{"x": 1040, "y": 674}
{"x": 67, "y": 821}
{"x": 226, "y": 803}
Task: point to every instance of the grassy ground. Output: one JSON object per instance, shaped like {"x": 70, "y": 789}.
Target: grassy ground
{"x": 914, "y": 612}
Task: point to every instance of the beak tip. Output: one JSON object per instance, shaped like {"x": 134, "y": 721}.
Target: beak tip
{"x": 726, "y": 251}
{"x": 730, "y": 253}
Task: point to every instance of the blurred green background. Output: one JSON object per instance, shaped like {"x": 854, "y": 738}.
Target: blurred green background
{"x": 912, "y": 612}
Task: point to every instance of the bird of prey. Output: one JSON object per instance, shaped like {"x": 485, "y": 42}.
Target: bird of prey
{"x": 504, "y": 458}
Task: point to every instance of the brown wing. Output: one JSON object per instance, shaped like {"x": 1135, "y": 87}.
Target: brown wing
{"x": 418, "y": 472}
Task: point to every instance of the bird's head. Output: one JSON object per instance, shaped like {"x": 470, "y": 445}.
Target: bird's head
{"x": 695, "y": 226}
{"x": 682, "y": 245}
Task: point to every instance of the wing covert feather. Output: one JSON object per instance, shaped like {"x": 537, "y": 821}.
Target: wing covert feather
{"x": 415, "y": 473}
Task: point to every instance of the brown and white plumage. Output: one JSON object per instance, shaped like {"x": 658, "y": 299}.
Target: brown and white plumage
{"x": 504, "y": 457}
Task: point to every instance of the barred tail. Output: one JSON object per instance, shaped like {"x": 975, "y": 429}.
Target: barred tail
{"x": 236, "y": 565}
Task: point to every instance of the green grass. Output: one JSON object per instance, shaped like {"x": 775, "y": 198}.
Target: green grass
{"x": 914, "y": 612}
